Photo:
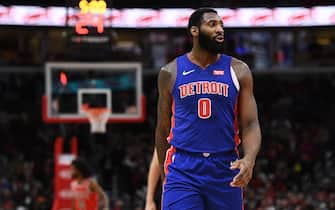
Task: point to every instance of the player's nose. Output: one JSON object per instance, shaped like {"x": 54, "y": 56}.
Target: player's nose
{"x": 219, "y": 30}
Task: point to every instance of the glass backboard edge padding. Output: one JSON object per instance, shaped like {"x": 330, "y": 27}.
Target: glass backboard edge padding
{"x": 139, "y": 90}
{"x": 103, "y": 67}
{"x": 47, "y": 99}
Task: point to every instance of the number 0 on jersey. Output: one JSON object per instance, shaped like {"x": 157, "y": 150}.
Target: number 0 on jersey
{"x": 204, "y": 108}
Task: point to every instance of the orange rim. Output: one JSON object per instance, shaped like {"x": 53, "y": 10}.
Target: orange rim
{"x": 93, "y": 111}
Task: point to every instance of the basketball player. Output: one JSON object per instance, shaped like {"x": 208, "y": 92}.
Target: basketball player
{"x": 200, "y": 94}
{"x": 153, "y": 178}
{"x": 86, "y": 191}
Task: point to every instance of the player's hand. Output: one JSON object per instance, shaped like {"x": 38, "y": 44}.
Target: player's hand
{"x": 243, "y": 177}
{"x": 150, "y": 205}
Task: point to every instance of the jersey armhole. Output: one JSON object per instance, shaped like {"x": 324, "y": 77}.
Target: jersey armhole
{"x": 174, "y": 75}
{"x": 234, "y": 78}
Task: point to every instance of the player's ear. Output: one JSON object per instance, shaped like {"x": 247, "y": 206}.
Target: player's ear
{"x": 194, "y": 31}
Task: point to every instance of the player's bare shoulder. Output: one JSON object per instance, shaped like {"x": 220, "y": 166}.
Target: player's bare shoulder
{"x": 167, "y": 75}
{"x": 242, "y": 70}
{"x": 170, "y": 67}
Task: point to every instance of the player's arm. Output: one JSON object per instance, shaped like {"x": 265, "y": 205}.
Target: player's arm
{"x": 153, "y": 178}
{"x": 251, "y": 134}
{"x": 95, "y": 187}
{"x": 165, "y": 81}
{"x": 72, "y": 204}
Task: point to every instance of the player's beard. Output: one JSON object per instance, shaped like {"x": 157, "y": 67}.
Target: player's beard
{"x": 210, "y": 44}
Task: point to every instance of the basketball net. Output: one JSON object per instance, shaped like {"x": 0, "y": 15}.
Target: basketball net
{"x": 97, "y": 117}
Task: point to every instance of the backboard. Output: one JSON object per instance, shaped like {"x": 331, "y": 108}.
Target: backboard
{"x": 72, "y": 85}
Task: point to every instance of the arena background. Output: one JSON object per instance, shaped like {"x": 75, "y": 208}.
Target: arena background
{"x": 294, "y": 72}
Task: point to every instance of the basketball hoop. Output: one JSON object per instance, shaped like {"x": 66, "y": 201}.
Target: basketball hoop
{"x": 97, "y": 117}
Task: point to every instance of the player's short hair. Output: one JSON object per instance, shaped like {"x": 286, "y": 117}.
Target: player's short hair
{"x": 197, "y": 16}
{"x": 81, "y": 165}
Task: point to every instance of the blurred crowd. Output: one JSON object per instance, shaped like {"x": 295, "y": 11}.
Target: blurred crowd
{"x": 294, "y": 170}
{"x": 262, "y": 50}
{"x": 26, "y": 165}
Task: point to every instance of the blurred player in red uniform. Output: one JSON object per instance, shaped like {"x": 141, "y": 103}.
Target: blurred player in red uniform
{"x": 86, "y": 191}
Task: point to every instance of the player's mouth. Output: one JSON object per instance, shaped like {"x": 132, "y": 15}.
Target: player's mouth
{"x": 219, "y": 38}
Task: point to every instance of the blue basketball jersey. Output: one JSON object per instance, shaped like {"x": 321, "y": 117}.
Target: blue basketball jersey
{"x": 205, "y": 107}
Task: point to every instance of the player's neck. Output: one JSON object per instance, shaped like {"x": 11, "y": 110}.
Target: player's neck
{"x": 202, "y": 57}
{"x": 80, "y": 179}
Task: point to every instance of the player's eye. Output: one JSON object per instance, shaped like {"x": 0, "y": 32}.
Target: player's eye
{"x": 212, "y": 23}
